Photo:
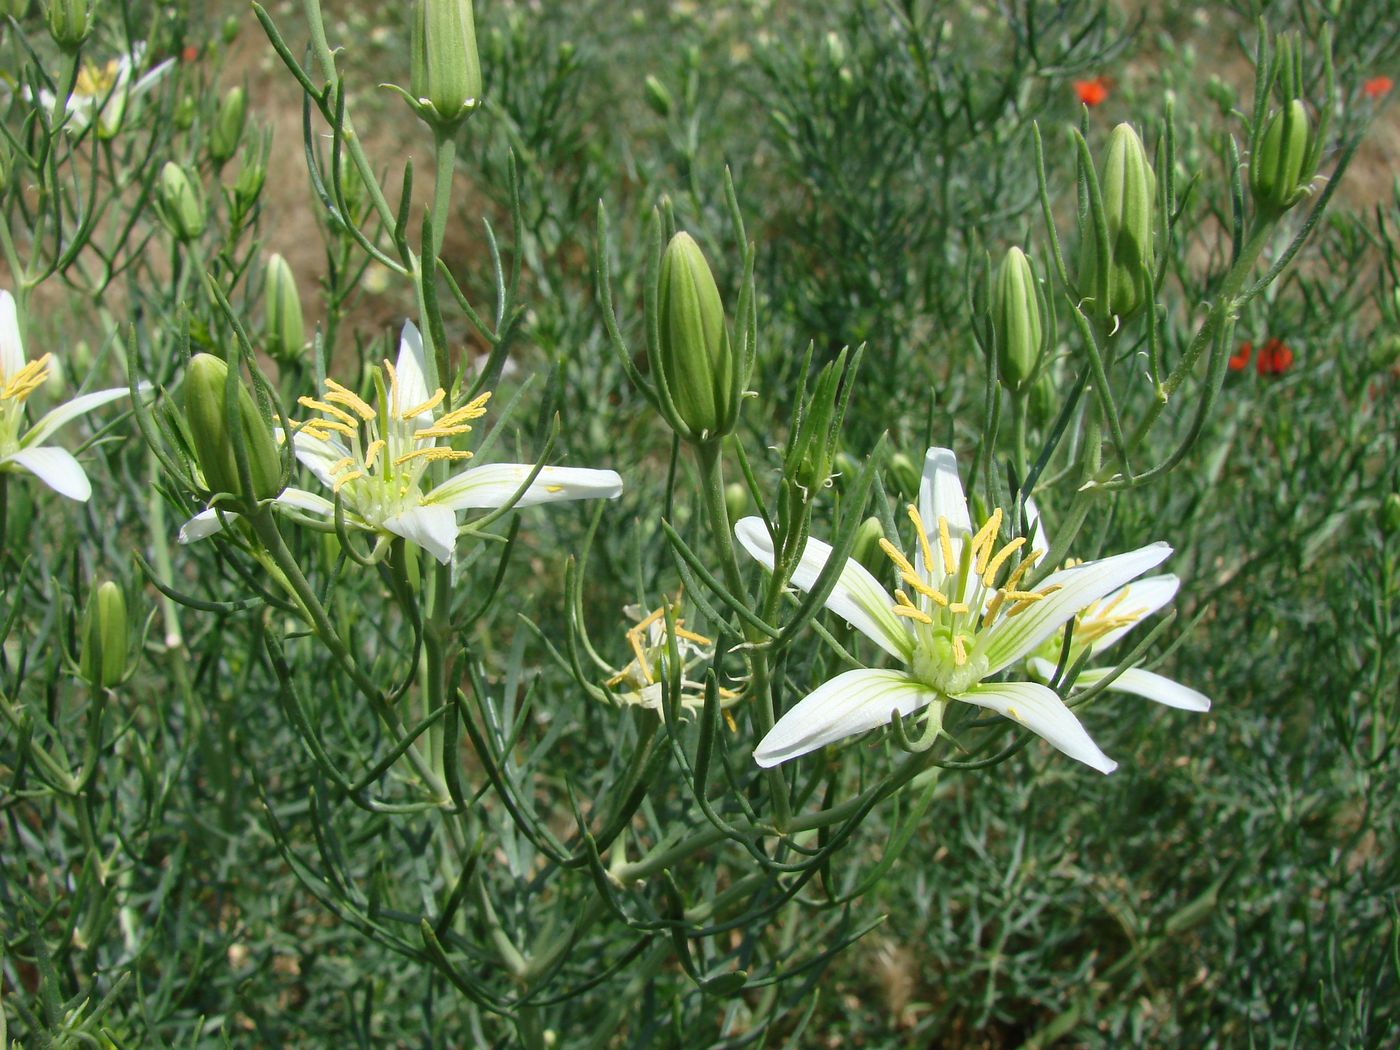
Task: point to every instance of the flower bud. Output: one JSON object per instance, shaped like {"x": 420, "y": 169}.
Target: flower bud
{"x": 694, "y": 363}
{"x": 1044, "y": 399}
{"x": 1016, "y": 326}
{"x": 229, "y": 30}
{"x": 1120, "y": 284}
{"x": 658, "y": 97}
{"x": 205, "y": 385}
{"x": 184, "y": 112}
{"x": 285, "y": 335}
{"x": 69, "y": 21}
{"x": 181, "y": 202}
{"x": 1279, "y": 171}
{"x": 249, "y": 181}
{"x": 904, "y": 475}
{"x": 228, "y": 126}
{"x": 102, "y": 659}
{"x": 445, "y": 76}
{"x": 866, "y": 548}
{"x": 15, "y": 9}
{"x": 1390, "y": 514}
{"x": 736, "y": 500}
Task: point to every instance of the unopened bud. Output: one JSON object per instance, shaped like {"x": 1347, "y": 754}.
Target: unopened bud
{"x": 658, "y": 97}
{"x": 251, "y": 176}
{"x": 1044, "y": 400}
{"x": 69, "y": 22}
{"x": 182, "y": 116}
{"x": 103, "y": 657}
{"x": 1279, "y": 172}
{"x": 285, "y": 334}
{"x": 228, "y": 31}
{"x": 1016, "y": 325}
{"x": 905, "y": 477}
{"x": 694, "y": 364}
{"x": 227, "y": 131}
{"x": 181, "y": 202}
{"x": 736, "y": 500}
{"x": 445, "y": 76}
{"x": 866, "y": 548}
{"x": 1120, "y": 284}
{"x": 212, "y": 437}
{"x": 15, "y": 9}
{"x": 1390, "y": 514}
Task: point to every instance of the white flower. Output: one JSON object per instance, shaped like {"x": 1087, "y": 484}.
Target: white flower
{"x": 19, "y": 378}
{"x": 1100, "y": 624}
{"x": 104, "y": 91}
{"x": 640, "y": 680}
{"x": 954, "y": 629}
{"x": 375, "y": 458}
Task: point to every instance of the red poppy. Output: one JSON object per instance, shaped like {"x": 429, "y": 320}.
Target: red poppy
{"x": 1274, "y": 358}
{"x": 1240, "y": 361}
{"x": 1377, "y": 86}
{"x": 1091, "y": 92}
{"x": 189, "y": 54}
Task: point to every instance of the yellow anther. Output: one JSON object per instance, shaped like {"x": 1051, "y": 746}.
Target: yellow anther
{"x": 984, "y": 539}
{"x": 919, "y": 585}
{"x": 1022, "y": 596}
{"x": 897, "y": 556}
{"x": 1021, "y": 569}
{"x": 958, "y": 608}
{"x": 27, "y": 380}
{"x": 945, "y": 544}
{"x": 922, "y": 533}
{"x": 426, "y": 406}
{"x": 959, "y": 651}
{"x": 903, "y": 599}
{"x": 393, "y": 375}
{"x": 473, "y": 409}
{"x": 989, "y": 575}
{"x": 376, "y": 446}
{"x": 432, "y": 455}
{"x": 1013, "y": 712}
{"x": 344, "y": 396}
{"x": 320, "y": 427}
{"x": 345, "y": 479}
{"x": 916, "y": 615}
{"x": 1117, "y": 601}
{"x": 993, "y": 607}
{"x": 340, "y": 464}
{"x": 437, "y": 430}
{"x": 329, "y": 409}
{"x": 691, "y": 636}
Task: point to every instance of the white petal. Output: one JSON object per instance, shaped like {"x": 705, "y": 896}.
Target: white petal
{"x": 66, "y": 413}
{"x": 149, "y": 78}
{"x": 1043, "y": 713}
{"x": 1013, "y": 637}
{"x": 848, "y": 704}
{"x": 317, "y": 454}
{"x": 1143, "y": 599}
{"x": 11, "y": 345}
{"x": 1038, "y": 539}
{"x": 56, "y": 468}
{"x": 300, "y": 499}
{"x": 1150, "y": 686}
{"x": 494, "y": 484}
{"x": 858, "y": 598}
{"x": 411, "y": 369}
{"x": 941, "y": 496}
{"x": 432, "y": 528}
{"x": 203, "y": 525}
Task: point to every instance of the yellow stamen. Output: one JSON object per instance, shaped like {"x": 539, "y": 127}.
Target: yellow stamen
{"x": 329, "y": 409}
{"x": 990, "y": 574}
{"x": 922, "y": 533}
{"x": 691, "y": 636}
{"x": 1022, "y": 569}
{"x": 393, "y": 375}
{"x": 27, "y": 380}
{"x": 376, "y": 446}
{"x": 913, "y": 614}
{"x": 426, "y": 406}
{"x": 432, "y": 455}
{"x": 340, "y": 464}
{"x": 473, "y": 409}
{"x": 439, "y": 431}
{"x": 984, "y": 539}
{"x": 897, "y": 556}
{"x": 945, "y": 544}
{"x": 344, "y": 396}
{"x": 1013, "y": 712}
{"x": 319, "y": 428}
{"x": 923, "y": 588}
{"x": 993, "y": 607}
{"x": 959, "y": 651}
{"x": 345, "y": 479}
{"x": 958, "y": 608}
{"x": 1122, "y": 597}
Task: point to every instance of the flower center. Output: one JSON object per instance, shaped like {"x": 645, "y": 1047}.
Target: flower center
{"x": 95, "y": 81}
{"x": 387, "y": 449}
{"x": 14, "y": 392}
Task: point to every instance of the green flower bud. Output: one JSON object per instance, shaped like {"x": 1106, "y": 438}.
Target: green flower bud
{"x": 285, "y": 335}
{"x": 1044, "y": 402}
{"x": 1390, "y": 514}
{"x": 103, "y": 657}
{"x": 15, "y": 9}
{"x": 184, "y": 113}
{"x": 866, "y": 548}
{"x": 1120, "y": 284}
{"x": 445, "y": 76}
{"x": 249, "y": 181}
{"x": 69, "y": 21}
{"x": 693, "y": 363}
{"x": 1016, "y": 326}
{"x": 1279, "y": 172}
{"x": 904, "y": 475}
{"x": 228, "y": 32}
{"x": 736, "y": 500}
{"x": 205, "y": 385}
{"x": 181, "y": 202}
{"x": 658, "y": 97}
{"x": 228, "y": 126}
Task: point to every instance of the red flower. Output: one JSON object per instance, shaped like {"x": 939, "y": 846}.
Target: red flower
{"x": 1377, "y": 86}
{"x": 1274, "y": 358}
{"x": 1092, "y": 92}
{"x": 189, "y": 54}
{"x": 1240, "y": 361}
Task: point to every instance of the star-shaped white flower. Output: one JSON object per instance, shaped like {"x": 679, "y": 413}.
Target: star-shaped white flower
{"x": 639, "y": 683}
{"x": 1100, "y": 624}
{"x": 375, "y": 459}
{"x": 103, "y": 92}
{"x": 19, "y": 378}
{"x": 963, "y": 619}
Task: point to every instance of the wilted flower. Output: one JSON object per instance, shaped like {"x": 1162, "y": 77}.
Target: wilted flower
{"x": 374, "y": 457}
{"x": 1274, "y": 358}
{"x": 1091, "y": 92}
{"x": 19, "y": 379}
{"x": 962, "y": 622}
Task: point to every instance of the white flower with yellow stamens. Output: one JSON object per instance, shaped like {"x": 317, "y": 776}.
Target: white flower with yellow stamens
{"x": 19, "y": 379}
{"x": 374, "y": 457}
{"x": 1102, "y": 623}
{"x": 102, "y": 92}
{"x": 961, "y": 616}
{"x": 639, "y": 682}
